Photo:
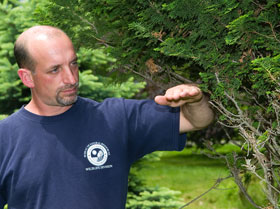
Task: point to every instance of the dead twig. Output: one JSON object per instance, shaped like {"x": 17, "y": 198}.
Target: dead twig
{"x": 217, "y": 183}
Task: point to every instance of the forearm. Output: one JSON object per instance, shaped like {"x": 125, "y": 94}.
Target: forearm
{"x": 196, "y": 115}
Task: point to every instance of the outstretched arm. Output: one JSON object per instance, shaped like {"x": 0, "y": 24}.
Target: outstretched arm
{"x": 195, "y": 111}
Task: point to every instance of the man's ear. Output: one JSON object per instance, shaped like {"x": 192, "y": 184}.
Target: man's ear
{"x": 26, "y": 77}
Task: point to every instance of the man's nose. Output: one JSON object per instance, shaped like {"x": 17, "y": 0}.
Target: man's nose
{"x": 69, "y": 76}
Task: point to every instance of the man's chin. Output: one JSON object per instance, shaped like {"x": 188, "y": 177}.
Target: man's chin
{"x": 67, "y": 100}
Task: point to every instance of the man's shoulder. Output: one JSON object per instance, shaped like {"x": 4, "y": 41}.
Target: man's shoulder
{"x": 8, "y": 121}
{"x": 9, "y": 125}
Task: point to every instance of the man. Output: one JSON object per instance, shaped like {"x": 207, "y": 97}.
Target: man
{"x": 63, "y": 151}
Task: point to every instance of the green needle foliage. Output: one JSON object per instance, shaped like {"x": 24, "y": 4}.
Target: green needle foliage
{"x": 95, "y": 84}
{"x": 12, "y": 92}
{"x": 158, "y": 197}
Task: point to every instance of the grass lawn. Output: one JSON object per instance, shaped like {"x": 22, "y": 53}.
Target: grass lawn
{"x": 193, "y": 174}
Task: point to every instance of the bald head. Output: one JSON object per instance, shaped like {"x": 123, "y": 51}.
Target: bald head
{"x": 24, "y": 42}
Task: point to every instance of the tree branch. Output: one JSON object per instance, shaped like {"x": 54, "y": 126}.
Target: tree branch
{"x": 217, "y": 183}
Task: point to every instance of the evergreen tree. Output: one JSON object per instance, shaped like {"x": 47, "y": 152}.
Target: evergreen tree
{"x": 12, "y": 92}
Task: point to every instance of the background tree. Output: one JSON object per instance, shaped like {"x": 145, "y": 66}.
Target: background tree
{"x": 12, "y": 92}
{"x": 230, "y": 47}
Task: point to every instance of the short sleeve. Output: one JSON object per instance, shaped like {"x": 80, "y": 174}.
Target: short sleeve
{"x": 152, "y": 127}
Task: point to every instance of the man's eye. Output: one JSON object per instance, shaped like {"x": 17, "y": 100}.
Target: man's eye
{"x": 55, "y": 70}
{"x": 75, "y": 63}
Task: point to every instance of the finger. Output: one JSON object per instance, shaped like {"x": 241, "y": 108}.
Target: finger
{"x": 174, "y": 95}
{"x": 190, "y": 92}
{"x": 161, "y": 100}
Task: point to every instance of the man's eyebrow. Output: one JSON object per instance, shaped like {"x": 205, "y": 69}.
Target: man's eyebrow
{"x": 52, "y": 67}
{"x": 75, "y": 59}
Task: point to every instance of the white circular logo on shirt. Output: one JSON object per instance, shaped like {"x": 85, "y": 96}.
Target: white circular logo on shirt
{"x": 97, "y": 153}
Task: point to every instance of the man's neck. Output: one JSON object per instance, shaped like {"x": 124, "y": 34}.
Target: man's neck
{"x": 45, "y": 110}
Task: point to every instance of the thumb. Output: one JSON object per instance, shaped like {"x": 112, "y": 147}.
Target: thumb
{"x": 161, "y": 100}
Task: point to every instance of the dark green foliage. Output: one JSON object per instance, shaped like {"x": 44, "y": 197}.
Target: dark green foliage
{"x": 94, "y": 81}
{"x": 12, "y": 92}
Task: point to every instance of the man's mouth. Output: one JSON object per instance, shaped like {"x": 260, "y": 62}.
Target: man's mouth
{"x": 70, "y": 89}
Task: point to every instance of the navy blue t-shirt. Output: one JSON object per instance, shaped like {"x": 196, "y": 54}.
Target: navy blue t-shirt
{"x": 81, "y": 158}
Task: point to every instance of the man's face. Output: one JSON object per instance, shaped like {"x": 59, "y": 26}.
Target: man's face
{"x": 56, "y": 76}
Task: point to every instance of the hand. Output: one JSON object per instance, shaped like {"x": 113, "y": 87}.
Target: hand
{"x": 180, "y": 95}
